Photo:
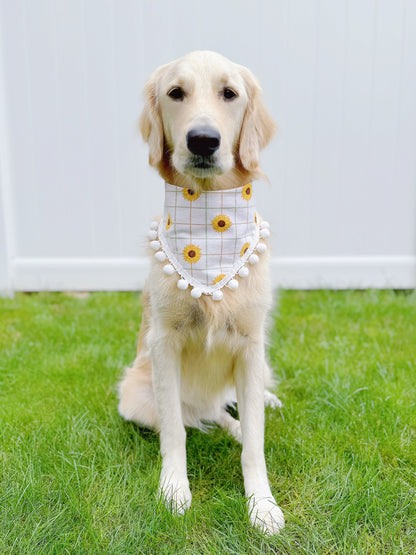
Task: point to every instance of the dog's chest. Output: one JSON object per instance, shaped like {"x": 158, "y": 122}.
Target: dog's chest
{"x": 206, "y": 330}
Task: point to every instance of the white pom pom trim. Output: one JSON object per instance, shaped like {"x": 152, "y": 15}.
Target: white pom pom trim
{"x": 182, "y": 284}
{"x": 161, "y": 256}
{"x": 264, "y": 225}
{"x": 253, "y": 259}
{"x": 152, "y": 234}
{"x": 217, "y": 295}
{"x": 243, "y": 272}
{"x": 261, "y": 248}
{"x": 169, "y": 270}
{"x": 155, "y": 245}
{"x": 154, "y": 225}
{"x": 196, "y": 293}
{"x": 232, "y": 284}
{"x": 264, "y": 233}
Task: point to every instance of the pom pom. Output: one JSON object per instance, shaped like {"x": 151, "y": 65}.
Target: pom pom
{"x": 182, "y": 284}
{"x": 253, "y": 259}
{"x": 233, "y": 284}
{"x": 264, "y": 233}
{"x": 217, "y": 295}
{"x": 155, "y": 245}
{"x": 264, "y": 225}
{"x": 261, "y": 248}
{"x": 169, "y": 269}
{"x": 152, "y": 234}
{"x": 196, "y": 293}
{"x": 243, "y": 272}
{"x": 154, "y": 225}
{"x": 161, "y": 256}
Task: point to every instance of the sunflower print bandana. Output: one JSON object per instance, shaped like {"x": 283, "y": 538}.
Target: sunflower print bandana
{"x": 208, "y": 239}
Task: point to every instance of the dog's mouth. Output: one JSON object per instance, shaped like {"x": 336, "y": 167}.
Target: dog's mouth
{"x": 202, "y": 165}
{"x": 203, "y": 162}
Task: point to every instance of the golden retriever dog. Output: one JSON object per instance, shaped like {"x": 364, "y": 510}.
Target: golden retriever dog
{"x": 205, "y": 123}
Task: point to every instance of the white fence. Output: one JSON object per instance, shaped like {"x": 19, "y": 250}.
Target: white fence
{"x": 339, "y": 77}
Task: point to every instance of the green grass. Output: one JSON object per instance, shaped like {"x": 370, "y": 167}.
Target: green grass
{"x": 341, "y": 454}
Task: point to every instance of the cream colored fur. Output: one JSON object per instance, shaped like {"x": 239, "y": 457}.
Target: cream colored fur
{"x": 196, "y": 356}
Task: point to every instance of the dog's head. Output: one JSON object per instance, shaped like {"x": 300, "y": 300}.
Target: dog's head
{"x": 204, "y": 116}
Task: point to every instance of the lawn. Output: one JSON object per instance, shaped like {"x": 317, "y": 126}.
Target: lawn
{"x": 341, "y": 454}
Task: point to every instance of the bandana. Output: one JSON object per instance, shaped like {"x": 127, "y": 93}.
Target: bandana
{"x": 208, "y": 238}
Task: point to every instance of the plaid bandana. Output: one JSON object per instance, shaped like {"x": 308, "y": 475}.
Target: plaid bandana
{"x": 208, "y": 238}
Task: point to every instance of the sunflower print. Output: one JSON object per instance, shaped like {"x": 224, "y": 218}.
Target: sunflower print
{"x": 218, "y": 278}
{"x": 255, "y": 218}
{"x": 244, "y": 249}
{"x": 221, "y": 223}
{"x": 168, "y": 222}
{"x": 247, "y": 192}
{"x": 191, "y": 254}
{"x": 190, "y": 194}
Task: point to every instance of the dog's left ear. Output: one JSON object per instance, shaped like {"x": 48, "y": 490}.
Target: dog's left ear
{"x": 258, "y": 125}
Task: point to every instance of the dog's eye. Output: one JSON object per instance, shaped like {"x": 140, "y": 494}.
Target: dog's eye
{"x": 176, "y": 93}
{"x": 229, "y": 94}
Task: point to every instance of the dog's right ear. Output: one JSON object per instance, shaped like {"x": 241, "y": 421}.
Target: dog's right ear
{"x": 150, "y": 123}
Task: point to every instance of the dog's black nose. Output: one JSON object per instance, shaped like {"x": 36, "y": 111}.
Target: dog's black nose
{"x": 203, "y": 141}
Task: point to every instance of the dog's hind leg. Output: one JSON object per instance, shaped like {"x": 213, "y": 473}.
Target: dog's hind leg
{"x": 270, "y": 400}
{"x": 233, "y": 426}
{"x": 230, "y": 424}
{"x": 137, "y": 402}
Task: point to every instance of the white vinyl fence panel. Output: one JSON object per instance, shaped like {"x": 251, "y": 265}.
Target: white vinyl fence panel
{"x": 76, "y": 192}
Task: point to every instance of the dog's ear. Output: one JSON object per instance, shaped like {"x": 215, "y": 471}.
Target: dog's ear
{"x": 150, "y": 122}
{"x": 258, "y": 126}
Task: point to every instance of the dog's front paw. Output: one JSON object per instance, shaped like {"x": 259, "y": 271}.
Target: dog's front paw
{"x": 270, "y": 400}
{"x": 175, "y": 494}
{"x": 266, "y": 515}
